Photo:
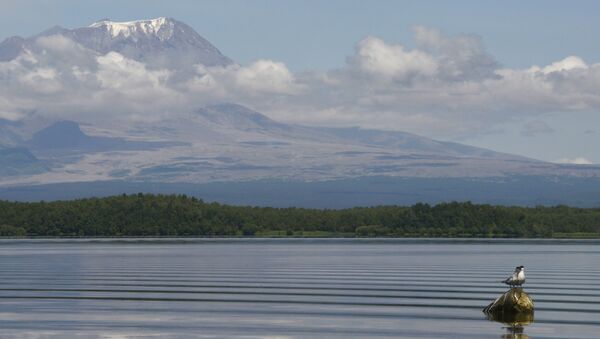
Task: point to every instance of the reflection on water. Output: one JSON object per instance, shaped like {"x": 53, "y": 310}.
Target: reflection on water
{"x": 518, "y": 319}
{"x": 515, "y": 332}
{"x": 293, "y": 288}
{"x": 515, "y": 323}
{"x": 514, "y": 308}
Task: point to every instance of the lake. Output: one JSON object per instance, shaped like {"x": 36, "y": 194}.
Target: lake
{"x": 292, "y": 288}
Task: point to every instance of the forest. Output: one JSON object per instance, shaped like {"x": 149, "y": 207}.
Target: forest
{"x": 147, "y": 215}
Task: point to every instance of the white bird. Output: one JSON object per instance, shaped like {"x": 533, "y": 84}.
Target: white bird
{"x": 517, "y": 278}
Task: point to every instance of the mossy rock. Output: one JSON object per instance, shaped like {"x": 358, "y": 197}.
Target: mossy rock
{"x": 512, "y": 319}
{"x": 510, "y": 304}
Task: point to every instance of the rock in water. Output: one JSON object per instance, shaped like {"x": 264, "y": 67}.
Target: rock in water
{"x": 513, "y": 302}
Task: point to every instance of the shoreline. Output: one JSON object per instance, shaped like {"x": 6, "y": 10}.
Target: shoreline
{"x": 382, "y": 240}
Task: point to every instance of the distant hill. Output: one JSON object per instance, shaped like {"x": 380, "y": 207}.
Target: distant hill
{"x": 19, "y": 161}
{"x": 67, "y": 138}
{"x": 226, "y": 144}
{"x": 232, "y": 143}
{"x": 342, "y": 193}
{"x": 177, "y": 215}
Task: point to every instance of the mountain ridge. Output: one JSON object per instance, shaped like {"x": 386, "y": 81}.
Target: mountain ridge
{"x": 225, "y": 142}
{"x": 230, "y": 142}
{"x": 160, "y": 42}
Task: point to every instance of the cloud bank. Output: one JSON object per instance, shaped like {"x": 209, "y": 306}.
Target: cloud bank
{"x": 446, "y": 86}
{"x": 574, "y": 161}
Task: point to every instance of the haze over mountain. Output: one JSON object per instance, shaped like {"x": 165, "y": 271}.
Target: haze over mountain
{"x": 212, "y": 140}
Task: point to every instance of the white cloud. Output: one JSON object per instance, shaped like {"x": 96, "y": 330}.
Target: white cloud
{"x": 8, "y": 111}
{"x": 574, "y": 161}
{"x": 447, "y": 86}
{"x": 461, "y": 58}
{"x": 375, "y": 57}
{"x": 264, "y": 82}
{"x": 266, "y": 76}
{"x": 461, "y": 92}
{"x": 566, "y": 64}
{"x": 42, "y": 80}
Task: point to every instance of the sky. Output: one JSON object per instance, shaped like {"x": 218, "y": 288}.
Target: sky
{"x": 514, "y": 76}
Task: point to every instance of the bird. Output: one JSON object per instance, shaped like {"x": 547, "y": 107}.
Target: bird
{"x": 517, "y": 278}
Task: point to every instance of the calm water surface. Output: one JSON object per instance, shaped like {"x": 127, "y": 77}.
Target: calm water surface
{"x": 292, "y": 288}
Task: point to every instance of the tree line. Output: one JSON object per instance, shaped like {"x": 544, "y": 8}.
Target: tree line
{"x": 178, "y": 215}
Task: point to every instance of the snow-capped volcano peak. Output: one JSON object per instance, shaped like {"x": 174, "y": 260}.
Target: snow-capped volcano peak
{"x": 161, "y": 27}
{"x": 159, "y": 43}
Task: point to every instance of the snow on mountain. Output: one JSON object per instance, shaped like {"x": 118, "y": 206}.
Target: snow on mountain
{"x": 160, "y": 27}
{"x": 160, "y": 42}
